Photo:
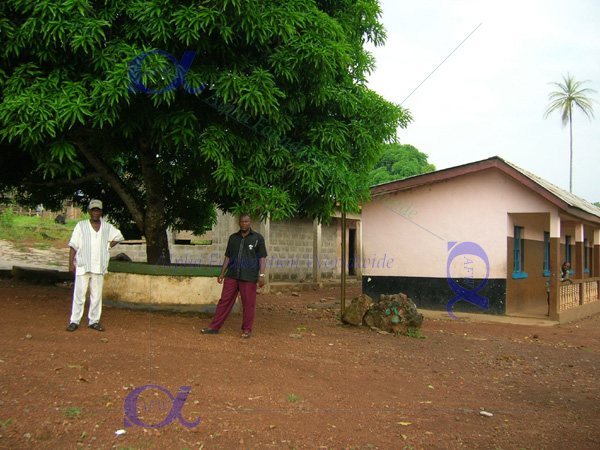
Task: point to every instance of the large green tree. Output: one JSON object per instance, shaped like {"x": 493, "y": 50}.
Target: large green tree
{"x": 272, "y": 116}
{"x": 569, "y": 96}
{"x": 399, "y": 161}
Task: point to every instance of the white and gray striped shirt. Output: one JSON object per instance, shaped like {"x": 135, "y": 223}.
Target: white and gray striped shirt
{"x": 93, "y": 246}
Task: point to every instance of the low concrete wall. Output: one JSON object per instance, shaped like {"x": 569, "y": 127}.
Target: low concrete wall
{"x": 579, "y": 312}
{"x": 187, "y": 290}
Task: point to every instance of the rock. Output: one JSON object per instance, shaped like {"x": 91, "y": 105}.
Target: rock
{"x": 295, "y": 294}
{"x": 486, "y": 414}
{"x": 296, "y": 336}
{"x": 357, "y": 309}
{"x": 394, "y": 313}
{"x": 28, "y": 336}
{"x": 121, "y": 257}
{"x": 105, "y": 340}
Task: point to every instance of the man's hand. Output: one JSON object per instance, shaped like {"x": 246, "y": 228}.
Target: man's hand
{"x": 72, "y": 267}
{"x": 220, "y": 279}
{"x": 261, "y": 281}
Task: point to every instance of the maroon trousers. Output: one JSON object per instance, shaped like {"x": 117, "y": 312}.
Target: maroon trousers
{"x": 231, "y": 287}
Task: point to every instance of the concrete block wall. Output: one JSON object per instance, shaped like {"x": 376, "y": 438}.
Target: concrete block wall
{"x": 289, "y": 245}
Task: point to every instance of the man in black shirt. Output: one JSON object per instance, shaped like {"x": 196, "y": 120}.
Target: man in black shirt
{"x": 243, "y": 268}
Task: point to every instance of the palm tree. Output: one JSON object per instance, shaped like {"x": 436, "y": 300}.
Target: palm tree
{"x": 569, "y": 95}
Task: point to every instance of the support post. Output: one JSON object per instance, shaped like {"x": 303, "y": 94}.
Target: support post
{"x": 596, "y": 256}
{"x": 316, "y": 251}
{"x": 343, "y": 302}
{"x": 554, "y": 265}
{"x": 579, "y": 240}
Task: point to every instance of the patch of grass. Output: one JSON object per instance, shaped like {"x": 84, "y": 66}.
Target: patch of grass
{"x": 43, "y": 231}
{"x": 293, "y": 398}
{"x": 411, "y": 332}
{"x": 201, "y": 242}
{"x": 72, "y": 413}
{"x": 5, "y": 423}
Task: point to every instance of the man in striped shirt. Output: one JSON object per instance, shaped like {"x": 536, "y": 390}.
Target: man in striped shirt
{"x": 88, "y": 261}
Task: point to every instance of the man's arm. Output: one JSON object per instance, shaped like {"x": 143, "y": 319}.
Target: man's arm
{"x": 72, "y": 260}
{"x": 225, "y": 264}
{"x": 115, "y": 236}
{"x": 261, "y": 277}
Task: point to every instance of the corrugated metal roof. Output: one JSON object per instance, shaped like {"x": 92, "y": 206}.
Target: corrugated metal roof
{"x": 567, "y": 197}
{"x": 439, "y": 175}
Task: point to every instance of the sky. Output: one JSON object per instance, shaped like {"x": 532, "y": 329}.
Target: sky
{"x": 488, "y": 98}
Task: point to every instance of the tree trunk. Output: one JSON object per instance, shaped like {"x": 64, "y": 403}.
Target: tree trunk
{"x": 571, "y": 147}
{"x": 155, "y": 229}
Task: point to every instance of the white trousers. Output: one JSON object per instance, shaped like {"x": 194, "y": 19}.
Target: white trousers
{"x": 95, "y": 282}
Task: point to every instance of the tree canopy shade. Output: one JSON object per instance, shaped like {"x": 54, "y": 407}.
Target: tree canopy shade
{"x": 399, "y": 161}
{"x": 73, "y": 123}
{"x": 569, "y": 96}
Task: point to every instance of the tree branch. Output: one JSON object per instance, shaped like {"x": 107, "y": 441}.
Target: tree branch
{"x": 73, "y": 181}
{"x": 112, "y": 178}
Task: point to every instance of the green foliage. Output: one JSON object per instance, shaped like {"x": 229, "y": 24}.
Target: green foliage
{"x": 570, "y": 95}
{"x": 69, "y": 128}
{"x": 399, "y": 161}
{"x": 5, "y": 423}
{"x": 7, "y": 218}
{"x": 597, "y": 204}
{"x": 411, "y": 332}
{"x": 293, "y": 398}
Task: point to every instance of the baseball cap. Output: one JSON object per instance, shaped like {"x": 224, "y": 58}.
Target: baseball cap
{"x": 95, "y": 204}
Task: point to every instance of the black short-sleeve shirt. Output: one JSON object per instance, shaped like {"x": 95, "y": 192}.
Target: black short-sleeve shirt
{"x": 244, "y": 254}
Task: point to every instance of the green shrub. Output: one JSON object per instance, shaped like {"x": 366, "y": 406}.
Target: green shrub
{"x": 7, "y": 219}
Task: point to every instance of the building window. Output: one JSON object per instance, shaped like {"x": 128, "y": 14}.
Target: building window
{"x": 518, "y": 271}
{"x": 546, "y": 253}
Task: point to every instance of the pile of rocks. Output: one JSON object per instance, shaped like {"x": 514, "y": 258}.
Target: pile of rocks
{"x": 392, "y": 313}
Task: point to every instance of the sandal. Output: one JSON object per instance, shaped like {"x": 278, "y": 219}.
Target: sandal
{"x": 209, "y": 331}
{"x": 245, "y": 335}
{"x": 72, "y": 327}
{"x": 96, "y": 326}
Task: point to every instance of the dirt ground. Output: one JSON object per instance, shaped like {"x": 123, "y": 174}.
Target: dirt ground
{"x": 302, "y": 381}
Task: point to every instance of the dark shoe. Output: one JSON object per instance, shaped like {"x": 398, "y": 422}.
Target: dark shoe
{"x": 245, "y": 335}
{"x": 96, "y": 326}
{"x": 209, "y": 331}
{"x": 72, "y": 327}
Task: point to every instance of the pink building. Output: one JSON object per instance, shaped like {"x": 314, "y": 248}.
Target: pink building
{"x": 485, "y": 237}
